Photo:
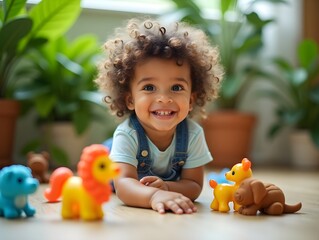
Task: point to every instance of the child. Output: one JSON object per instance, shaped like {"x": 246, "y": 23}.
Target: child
{"x": 157, "y": 76}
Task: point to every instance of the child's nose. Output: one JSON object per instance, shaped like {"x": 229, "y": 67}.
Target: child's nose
{"x": 164, "y": 98}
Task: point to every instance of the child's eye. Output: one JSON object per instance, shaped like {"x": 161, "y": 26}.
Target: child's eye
{"x": 149, "y": 88}
{"x": 177, "y": 88}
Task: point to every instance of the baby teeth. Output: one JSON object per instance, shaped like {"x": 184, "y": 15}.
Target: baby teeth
{"x": 163, "y": 113}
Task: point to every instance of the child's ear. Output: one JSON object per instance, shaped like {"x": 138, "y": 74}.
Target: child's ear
{"x": 129, "y": 102}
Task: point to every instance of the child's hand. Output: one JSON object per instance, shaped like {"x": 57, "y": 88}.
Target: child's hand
{"x": 153, "y": 181}
{"x": 176, "y": 202}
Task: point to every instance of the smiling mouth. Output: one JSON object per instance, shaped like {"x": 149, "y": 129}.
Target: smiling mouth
{"x": 163, "y": 113}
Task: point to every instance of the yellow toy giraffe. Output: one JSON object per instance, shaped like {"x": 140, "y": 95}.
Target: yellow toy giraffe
{"x": 224, "y": 193}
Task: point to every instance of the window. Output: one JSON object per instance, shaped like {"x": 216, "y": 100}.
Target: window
{"x": 138, "y": 6}
{"x": 141, "y": 6}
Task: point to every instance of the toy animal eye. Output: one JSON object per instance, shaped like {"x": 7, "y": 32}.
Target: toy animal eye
{"x": 233, "y": 173}
{"x": 19, "y": 180}
{"x": 102, "y": 166}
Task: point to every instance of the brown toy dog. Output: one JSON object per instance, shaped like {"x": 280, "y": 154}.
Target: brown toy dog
{"x": 254, "y": 195}
{"x": 39, "y": 164}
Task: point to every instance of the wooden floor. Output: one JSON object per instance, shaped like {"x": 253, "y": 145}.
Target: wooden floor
{"x": 122, "y": 222}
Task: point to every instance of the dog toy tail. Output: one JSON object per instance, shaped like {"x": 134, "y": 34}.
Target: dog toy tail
{"x": 292, "y": 208}
{"x": 212, "y": 183}
{"x": 57, "y": 180}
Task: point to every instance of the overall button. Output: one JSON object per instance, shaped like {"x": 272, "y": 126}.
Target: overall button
{"x": 142, "y": 164}
{"x": 144, "y": 153}
{"x": 181, "y": 163}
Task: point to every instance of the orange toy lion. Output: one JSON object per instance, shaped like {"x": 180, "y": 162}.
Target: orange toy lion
{"x": 224, "y": 193}
{"x": 83, "y": 195}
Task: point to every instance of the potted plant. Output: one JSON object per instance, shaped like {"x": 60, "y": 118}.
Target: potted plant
{"x": 63, "y": 94}
{"x": 21, "y": 31}
{"x": 296, "y": 94}
{"x": 239, "y": 35}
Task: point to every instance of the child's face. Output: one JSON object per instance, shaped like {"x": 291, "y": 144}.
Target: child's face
{"x": 161, "y": 94}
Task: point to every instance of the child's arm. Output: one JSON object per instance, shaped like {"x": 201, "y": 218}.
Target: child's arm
{"x": 133, "y": 193}
{"x": 190, "y": 184}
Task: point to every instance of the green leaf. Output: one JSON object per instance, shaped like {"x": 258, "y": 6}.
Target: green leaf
{"x": 182, "y": 4}
{"x": 314, "y": 95}
{"x": 84, "y": 45}
{"x": 37, "y": 42}
{"x": 225, "y": 5}
{"x": 33, "y": 145}
{"x": 12, "y": 8}
{"x": 249, "y": 44}
{"x": 31, "y": 91}
{"x": 299, "y": 76}
{"x": 59, "y": 155}
{"x": 44, "y": 104}
{"x": 291, "y": 116}
{"x": 53, "y": 18}
{"x": 274, "y": 130}
{"x": 65, "y": 108}
{"x": 255, "y": 20}
{"x": 282, "y": 64}
{"x": 315, "y": 135}
{"x": 81, "y": 120}
{"x": 69, "y": 64}
{"x": 231, "y": 86}
{"x": 307, "y": 52}
{"x": 12, "y": 33}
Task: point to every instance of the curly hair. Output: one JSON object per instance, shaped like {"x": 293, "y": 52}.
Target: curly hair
{"x": 142, "y": 39}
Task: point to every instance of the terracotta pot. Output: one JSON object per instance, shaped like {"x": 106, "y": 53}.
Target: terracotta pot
{"x": 304, "y": 154}
{"x": 229, "y": 137}
{"x": 9, "y": 112}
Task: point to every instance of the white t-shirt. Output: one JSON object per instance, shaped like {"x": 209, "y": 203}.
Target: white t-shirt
{"x": 125, "y": 147}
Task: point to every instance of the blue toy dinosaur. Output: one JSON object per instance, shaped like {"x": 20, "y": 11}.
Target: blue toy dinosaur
{"x": 16, "y": 183}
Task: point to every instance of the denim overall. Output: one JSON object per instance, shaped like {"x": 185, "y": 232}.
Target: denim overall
{"x": 143, "y": 153}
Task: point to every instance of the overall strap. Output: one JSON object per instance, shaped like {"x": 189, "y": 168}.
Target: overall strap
{"x": 143, "y": 152}
{"x": 181, "y": 145}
